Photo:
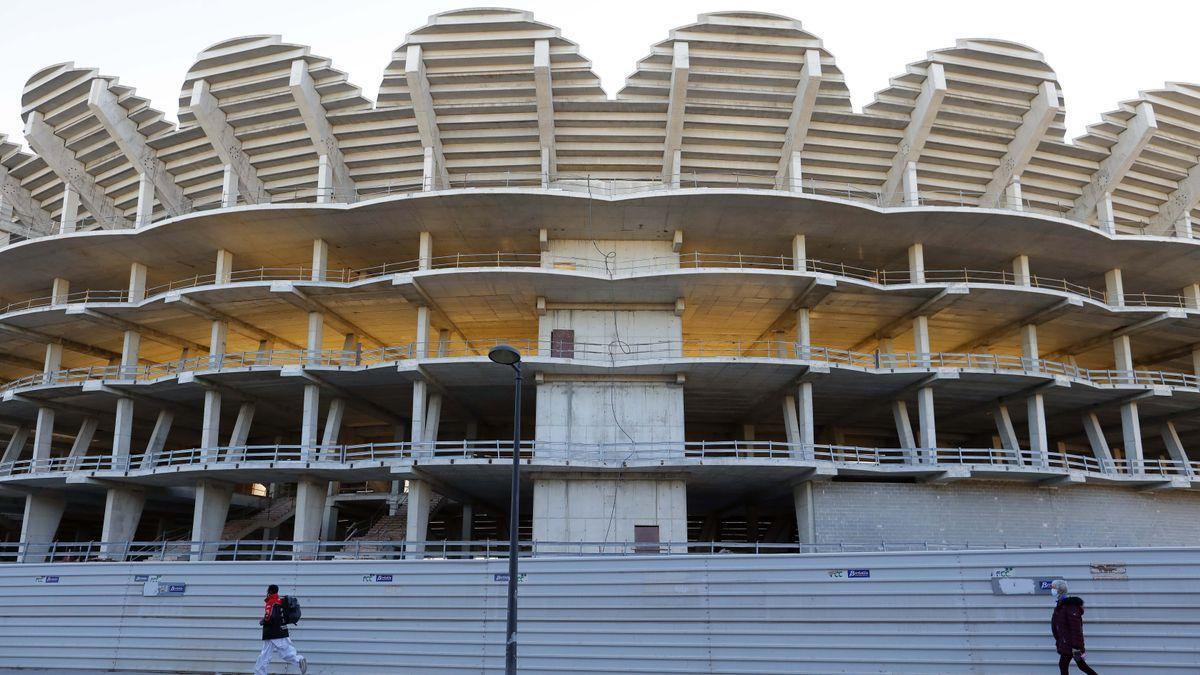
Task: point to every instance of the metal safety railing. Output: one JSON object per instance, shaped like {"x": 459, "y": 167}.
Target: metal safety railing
{"x": 675, "y": 453}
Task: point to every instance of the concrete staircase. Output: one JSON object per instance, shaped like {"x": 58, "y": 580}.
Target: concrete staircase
{"x": 273, "y": 515}
{"x": 394, "y": 528}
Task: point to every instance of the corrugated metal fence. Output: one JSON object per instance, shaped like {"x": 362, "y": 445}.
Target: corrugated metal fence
{"x": 926, "y": 612}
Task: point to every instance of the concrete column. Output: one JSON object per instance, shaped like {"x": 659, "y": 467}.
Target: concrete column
{"x": 210, "y": 426}
{"x": 1183, "y": 227}
{"x": 310, "y": 509}
{"x": 315, "y": 339}
{"x": 1007, "y": 433}
{"x": 795, "y": 174}
{"x": 208, "y": 516}
{"x": 433, "y": 418}
{"x": 1012, "y": 195}
{"x": 468, "y": 517}
{"x": 1131, "y": 436}
{"x": 60, "y": 290}
{"x": 791, "y": 423}
{"x": 122, "y": 512}
{"x": 320, "y": 260}
{"x": 309, "y": 421}
{"x": 137, "y": 282}
{"x": 1175, "y": 447}
{"x": 131, "y": 346}
{"x": 333, "y": 427}
{"x": 748, "y": 432}
{"x": 223, "y": 270}
{"x": 1196, "y": 361}
{"x": 803, "y": 332}
{"x": 425, "y": 251}
{"x": 42, "y": 436}
{"x": 925, "y": 412}
{"x": 804, "y": 400}
{"x": 417, "y": 426}
{"x": 676, "y": 169}
{"x": 1021, "y": 273}
{"x": 52, "y": 362}
{"x": 241, "y": 427}
{"x": 1035, "y": 409}
{"x": 912, "y": 189}
{"x": 217, "y": 338}
{"x": 15, "y": 446}
{"x": 324, "y": 180}
{"x": 43, "y": 513}
{"x": 428, "y": 170}
{"x": 806, "y": 516}
{"x": 1029, "y": 347}
{"x": 921, "y": 338}
{"x": 158, "y": 438}
{"x": 83, "y": 439}
{"x": 916, "y": 264}
{"x": 1095, "y": 435}
{"x": 799, "y": 253}
{"x": 904, "y": 430}
{"x": 1114, "y": 288}
{"x": 145, "y": 200}
{"x": 70, "y": 210}
{"x": 545, "y": 167}
{"x": 122, "y": 430}
{"x": 229, "y": 187}
{"x": 420, "y": 494}
{"x": 1104, "y": 214}
{"x": 422, "y": 342}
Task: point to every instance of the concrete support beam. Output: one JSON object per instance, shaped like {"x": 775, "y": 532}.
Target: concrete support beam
{"x": 241, "y": 327}
{"x": 158, "y": 438}
{"x": 122, "y": 513}
{"x": 1097, "y": 194}
{"x": 916, "y": 263}
{"x": 287, "y": 291}
{"x": 43, "y": 513}
{"x": 676, "y": 107}
{"x": 1131, "y": 436}
{"x": 42, "y": 436}
{"x": 130, "y": 327}
{"x": 1007, "y": 433}
{"x": 417, "y": 426}
{"x": 928, "y": 424}
{"x": 220, "y": 134}
{"x": 1142, "y": 326}
{"x": 420, "y": 496}
{"x": 69, "y": 212}
{"x": 1174, "y": 216}
{"x": 310, "y": 510}
{"x": 436, "y": 175}
{"x": 72, "y": 172}
{"x": 433, "y": 419}
{"x": 1175, "y": 449}
{"x": 72, "y": 345}
{"x": 122, "y": 428}
{"x": 806, "y": 516}
{"x": 210, "y": 427}
{"x": 208, "y": 516}
{"x": 545, "y": 109}
{"x": 1034, "y": 124}
{"x": 789, "y": 174}
{"x": 904, "y": 430}
{"x": 1095, "y": 436}
{"x": 124, "y": 132}
{"x": 791, "y": 422}
{"x": 1039, "y": 445}
{"x": 84, "y": 437}
{"x": 913, "y": 142}
{"x": 310, "y": 419}
{"x": 15, "y": 446}
{"x": 308, "y": 101}
{"x": 805, "y": 420}
{"x": 333, "y": 422}
{"x": 241, "y": 427}
{"x": 16, "y": 199}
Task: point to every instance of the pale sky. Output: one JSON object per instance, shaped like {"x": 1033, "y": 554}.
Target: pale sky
{"x": 1102, "y": 51}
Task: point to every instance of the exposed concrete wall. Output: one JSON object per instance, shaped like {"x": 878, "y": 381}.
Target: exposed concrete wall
{"x": 1008, "y": 513}
{"x": 587, "y": 508}
{"x": 589, "y": 412}
{"x": 618, "y": 253}
{"x": 601, "y": 328}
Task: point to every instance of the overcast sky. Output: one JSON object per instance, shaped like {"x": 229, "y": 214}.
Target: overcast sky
{"x": 1102, "y": 51}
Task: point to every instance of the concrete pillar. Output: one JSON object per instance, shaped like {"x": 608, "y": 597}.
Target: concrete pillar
{"x": 70, "y": 210}
{"x": 1104, "y": 214}
{"x": 425, "y": 251}
{"x": 122, "y": 512}
{"x": 83, "y": 439}
{"x": 229, "y": 187}
{"x": 60, "y": 290}
{"x": 1035, "y": 410}
{"x": 1021, "y": 274}
{"x": 904, "y": 430}
{"x": 1095, "y": 435}
{"x": 1122, "y": 353}
{"x": 1029, "y": 347}
{"x": 137, "y": 282}
{"x": 925, "y": 413}
{"x": 433, "y": 418}
{"x": 1175, "y": 447}
{"x": 210, "y": 426}
{"x": 912, "y": 189}
{"x": 1196, "y": 361}
{"x": 417, "y": 426}
{"x": 422, "y": 342}
{"x": 791, "y": 423}
{"x": 1007, "y": 433}
{"x": 320, "y": 260}
{"x": 804, "y": 400}
{"x": 921, "y": 340}
{"x": 158, "y": 438}
{"x": 145, "y": 200}
{"x": 428, "y": 170}
{"x": 333, "y": 427}
{"x": 1183, "y": 227}
{"x": 795, "y": 174}
{"x": 324, "y": 180}
{"x": 916, "y": 264}
{"x": 217, "y": 338}
{"x": 806, "y": 516}
{"x": 315, "y": 338}
{"x": 803, "y": 332}
{"x": 43, "y": 513}
{"x": 208, "y": 516}
{"x": 122, "y": 430}
{"x": 1012, "y": 195}
{"x": 309, "y": 420}
{"x": 799, "y": 253}
{"x": 676, "y": 169}
{"x": 545, "y": 167}
{"x": 15, "y": 446}
{"x": 748, "y": 432}
{"x": 468, "y": 518}
{"x": 1131, "y": 436}
{"x": 223, "y": 272}
{"x": 130, "y": 347}
{"x": 42, "y": 436}
{"x": 420, "y": 494}
{"x": 1191, "y": 296}
{"x": 241, "y": 427}
{"x": 1114, "y": 288}
{"x": 310, "y": 509}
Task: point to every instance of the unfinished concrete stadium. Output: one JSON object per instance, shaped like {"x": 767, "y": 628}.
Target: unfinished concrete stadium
{"x": 749, "y": 314}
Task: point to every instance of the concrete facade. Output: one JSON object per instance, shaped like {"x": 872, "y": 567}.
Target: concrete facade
{"x": 588, "y": 508}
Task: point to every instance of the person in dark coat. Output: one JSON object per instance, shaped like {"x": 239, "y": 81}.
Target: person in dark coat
{"x": 1067, "y": 625}
{"x": 275, "y": 637}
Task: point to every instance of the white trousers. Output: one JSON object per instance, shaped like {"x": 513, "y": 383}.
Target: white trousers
{"x": 281, "y": 646}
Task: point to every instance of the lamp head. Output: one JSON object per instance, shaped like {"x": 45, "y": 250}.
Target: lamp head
{"x": 504, "y": 355}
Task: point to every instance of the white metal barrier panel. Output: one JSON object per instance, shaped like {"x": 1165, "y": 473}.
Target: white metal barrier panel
{"x": 920, "y": 612}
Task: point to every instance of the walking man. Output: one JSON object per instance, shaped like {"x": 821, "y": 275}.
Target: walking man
{"x": 275, "y": 635}
{"x": 1067, "y": 625}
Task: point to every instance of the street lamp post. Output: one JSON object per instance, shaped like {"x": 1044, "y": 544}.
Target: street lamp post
{"x": 508, "y": 356}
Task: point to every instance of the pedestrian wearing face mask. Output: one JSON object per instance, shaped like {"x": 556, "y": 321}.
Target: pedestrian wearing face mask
{"x": 1067, "y": 625}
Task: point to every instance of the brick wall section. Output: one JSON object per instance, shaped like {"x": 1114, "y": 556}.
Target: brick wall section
{"x": 1009, "y": 513}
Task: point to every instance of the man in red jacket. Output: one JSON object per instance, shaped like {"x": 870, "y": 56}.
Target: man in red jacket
{"x": 1067, "y": 625}
{"x": 275, "y": 635}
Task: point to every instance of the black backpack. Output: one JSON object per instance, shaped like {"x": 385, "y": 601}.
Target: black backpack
{"x": 291, "y": 609}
